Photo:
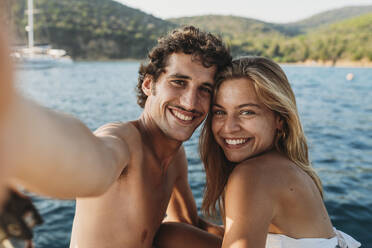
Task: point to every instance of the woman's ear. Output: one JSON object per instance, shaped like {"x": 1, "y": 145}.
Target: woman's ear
{"x": 279, "y": 122}
{"x": 147, "y": 85}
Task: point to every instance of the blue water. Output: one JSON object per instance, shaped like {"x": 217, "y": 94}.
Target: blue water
{"x": 336, "y": 115}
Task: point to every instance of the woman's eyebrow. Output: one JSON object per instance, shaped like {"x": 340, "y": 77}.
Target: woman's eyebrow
{"x": 240, "y": 106}
{"x": 217, "y": 105}
{"x": 249, "y": 105}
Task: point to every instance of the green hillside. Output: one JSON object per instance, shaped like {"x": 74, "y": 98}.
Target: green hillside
{"x": 91, "y": 29}
{"x": 329, "y": 17}
{"x": 241, "y": 34}
{"x": 233, "y": 27}
{"x": 349, "y": 39}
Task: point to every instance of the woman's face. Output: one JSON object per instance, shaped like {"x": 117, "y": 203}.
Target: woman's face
{"x": 241, "y": 125}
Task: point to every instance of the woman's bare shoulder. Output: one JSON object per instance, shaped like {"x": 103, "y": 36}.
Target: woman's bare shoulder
{"x": 269, "y": 173}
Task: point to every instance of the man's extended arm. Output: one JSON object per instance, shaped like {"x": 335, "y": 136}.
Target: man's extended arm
{"x": 49, "y": 152}
{"x": 56, "y": 154}
{"x": 6, "y": 94}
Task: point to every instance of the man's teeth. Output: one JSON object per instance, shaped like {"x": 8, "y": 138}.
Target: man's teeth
{"x": 235, "y": 141}
{"x": 182, "y": 117}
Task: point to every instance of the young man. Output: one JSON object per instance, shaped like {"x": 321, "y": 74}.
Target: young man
{"x": 126, "y": 176}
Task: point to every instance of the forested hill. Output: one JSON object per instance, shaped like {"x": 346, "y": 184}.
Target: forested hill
{"x": 330, "y": 17}
{"x": 106, "y": 29}
{"x": 234, "y": 26}
{"x": 91, "y": 29}
{"x": 349, "y": 39}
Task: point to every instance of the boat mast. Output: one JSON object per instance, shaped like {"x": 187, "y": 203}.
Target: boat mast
{"x": 30, "y": 30}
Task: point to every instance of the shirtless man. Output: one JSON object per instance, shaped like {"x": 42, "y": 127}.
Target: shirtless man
{"x": 126, "y": 176}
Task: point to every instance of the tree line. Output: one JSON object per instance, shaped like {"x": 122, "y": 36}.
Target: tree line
{"x": 105, "y": 29}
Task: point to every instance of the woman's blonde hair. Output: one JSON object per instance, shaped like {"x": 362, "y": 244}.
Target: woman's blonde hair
{"x": 274, "y": 91}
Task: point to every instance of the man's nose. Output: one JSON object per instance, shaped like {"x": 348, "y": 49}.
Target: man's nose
{"x": 189, "y": 99}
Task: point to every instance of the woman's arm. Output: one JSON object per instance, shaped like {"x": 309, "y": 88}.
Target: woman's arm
{"x": 249, "y": 207}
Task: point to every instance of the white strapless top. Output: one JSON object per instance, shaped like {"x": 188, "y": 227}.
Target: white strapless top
{"x": 341, "y": 240}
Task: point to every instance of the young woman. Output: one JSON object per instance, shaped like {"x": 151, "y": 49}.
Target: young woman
{"x": 257, "y": 167}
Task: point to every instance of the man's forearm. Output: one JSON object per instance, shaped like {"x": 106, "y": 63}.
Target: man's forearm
{"x": 52, "y": 153}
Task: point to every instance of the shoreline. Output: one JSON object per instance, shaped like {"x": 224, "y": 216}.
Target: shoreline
{"x": 329, "y": 63}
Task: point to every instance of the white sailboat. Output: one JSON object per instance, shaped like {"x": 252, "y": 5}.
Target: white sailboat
{"x": 38, "y": 56}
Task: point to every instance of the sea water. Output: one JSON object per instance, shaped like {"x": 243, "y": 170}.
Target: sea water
{"x": 336, "y": 115}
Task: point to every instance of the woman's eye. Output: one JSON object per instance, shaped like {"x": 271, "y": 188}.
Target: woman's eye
{"x": 247, "y": 112}
{"x": 218, "y": 112}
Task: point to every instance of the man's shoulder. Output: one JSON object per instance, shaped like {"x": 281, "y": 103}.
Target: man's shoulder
{"x": 123, "y": 129}
{"x": 126, "y": 132}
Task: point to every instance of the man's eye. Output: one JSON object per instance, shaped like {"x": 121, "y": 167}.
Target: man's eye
{"x": 178, "y": 82}
{"x": 206, "y": 90}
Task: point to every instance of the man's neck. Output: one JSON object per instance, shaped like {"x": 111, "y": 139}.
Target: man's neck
{"x": 163, "y": 147}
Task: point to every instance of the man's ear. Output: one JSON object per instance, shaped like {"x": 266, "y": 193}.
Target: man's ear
{"x": 147, "y": 85}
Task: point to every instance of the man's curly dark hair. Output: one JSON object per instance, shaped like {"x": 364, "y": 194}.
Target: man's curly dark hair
{"x": 203, "y": 46}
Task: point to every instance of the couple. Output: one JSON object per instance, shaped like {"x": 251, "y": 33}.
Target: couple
{"x": 128, "y": 176}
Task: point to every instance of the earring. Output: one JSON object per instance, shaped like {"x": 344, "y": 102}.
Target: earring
{"x": 281, "y": 133}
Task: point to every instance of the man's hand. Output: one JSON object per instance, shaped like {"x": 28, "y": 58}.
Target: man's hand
{"x": 6, "y": 75}
{"x": 6, "y": 97}
{"x": 211, "y": 228}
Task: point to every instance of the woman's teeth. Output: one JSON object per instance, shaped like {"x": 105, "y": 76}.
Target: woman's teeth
{"x": 235, "y": 141}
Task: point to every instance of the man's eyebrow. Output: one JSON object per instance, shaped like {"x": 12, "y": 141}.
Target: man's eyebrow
{"x": 178, "y": 75}
{"x": 208, "y": 84}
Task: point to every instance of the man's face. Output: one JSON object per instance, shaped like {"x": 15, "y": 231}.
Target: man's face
{"x": 179, "y": 101}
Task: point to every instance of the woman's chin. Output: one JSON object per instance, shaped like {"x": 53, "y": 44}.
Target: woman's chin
{"x": 236, "y": 158}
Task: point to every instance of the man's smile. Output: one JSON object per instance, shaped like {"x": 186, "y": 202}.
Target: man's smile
{"x": 183, "y": 115}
